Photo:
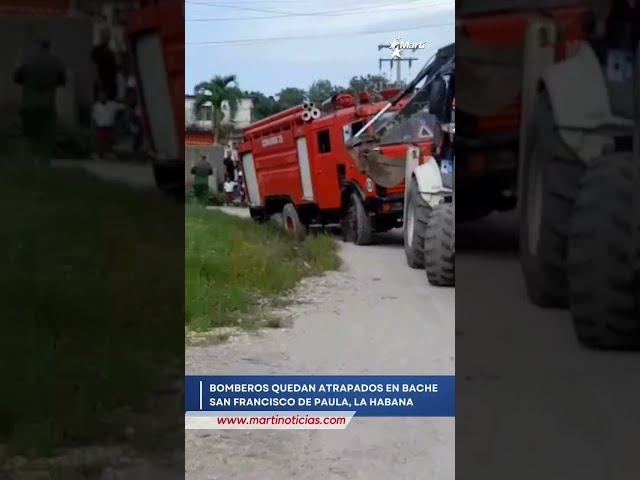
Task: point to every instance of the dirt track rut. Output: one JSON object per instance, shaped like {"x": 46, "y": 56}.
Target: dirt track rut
{"x": 375, "y": 316}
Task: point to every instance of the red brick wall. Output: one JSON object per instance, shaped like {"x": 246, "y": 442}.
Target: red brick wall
{"x": 198, "y": 139}
{"x": 35, "y": 7}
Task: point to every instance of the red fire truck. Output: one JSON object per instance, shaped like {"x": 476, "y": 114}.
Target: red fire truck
{"x": 302, "y": 169}
{"x": 156, "y": 36}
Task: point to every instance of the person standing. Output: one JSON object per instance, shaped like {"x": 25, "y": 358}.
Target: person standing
{"x": 201, "y": 172}
{"x": 229, "y": 166}
{"x": 104, "y": 116}
{"x": 229, "y": 189}
{"x": 40, "y": 77}
{"x": 106, "y": 65}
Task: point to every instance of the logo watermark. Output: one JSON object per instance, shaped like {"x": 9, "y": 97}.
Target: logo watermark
{"x": 397, "y": 47}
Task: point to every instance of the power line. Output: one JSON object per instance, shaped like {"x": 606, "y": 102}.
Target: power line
{"x": 262, "y": 10}
{"x": 306, "y": 37}
{"x": 331, "y": 13}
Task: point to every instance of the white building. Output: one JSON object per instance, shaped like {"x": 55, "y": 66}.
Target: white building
{"x": 202, "y": 117}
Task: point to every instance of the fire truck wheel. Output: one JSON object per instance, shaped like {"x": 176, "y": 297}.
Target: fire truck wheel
{"x": 549, "y": 184}
{"x": 292, "y": 223}
{"x": 603, "y": 255}
{"x": 257, "y": 214}
{"x": 440, "y": 246}
{"x": 359, "y": 225}
{"x": 414, "y": 226}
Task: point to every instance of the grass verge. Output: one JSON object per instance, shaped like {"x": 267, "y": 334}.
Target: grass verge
{"x": 232, "y": 263}
{"x": 88, "y": 320}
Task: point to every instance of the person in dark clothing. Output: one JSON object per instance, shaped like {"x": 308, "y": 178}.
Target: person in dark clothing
{"x": 40, "y": 77}
{"x": 106, "y": 65}
{"x": 201, "y": 172}
{"x": 229, "y": 166}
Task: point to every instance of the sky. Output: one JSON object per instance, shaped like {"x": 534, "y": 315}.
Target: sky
{"x": 273, "y": 44}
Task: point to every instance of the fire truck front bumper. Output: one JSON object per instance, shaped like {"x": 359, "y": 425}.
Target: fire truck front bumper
{"x": 391, "y": 205}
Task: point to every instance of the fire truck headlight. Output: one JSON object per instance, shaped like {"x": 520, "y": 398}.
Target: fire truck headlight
{"x": 370, "y": 185}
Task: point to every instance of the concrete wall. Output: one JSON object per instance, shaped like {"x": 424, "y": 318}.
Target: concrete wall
{"x": 71, "y": 40}
{"x": 215, "y": 155}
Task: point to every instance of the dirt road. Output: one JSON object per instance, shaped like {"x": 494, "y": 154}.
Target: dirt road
{"x": 528, "y": 394}
{"x": 376, "y": 316}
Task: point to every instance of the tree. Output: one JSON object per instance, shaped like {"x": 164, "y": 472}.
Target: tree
{"x": 220, "y": 89}
{"x": 263, "y": 106}
{"x": 369, "y": 83}
{"x": 290, "y": 97}
{"x": 320, "y": 90}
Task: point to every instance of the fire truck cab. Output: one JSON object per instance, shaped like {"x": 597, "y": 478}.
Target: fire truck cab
{"x": 304, "y": 171}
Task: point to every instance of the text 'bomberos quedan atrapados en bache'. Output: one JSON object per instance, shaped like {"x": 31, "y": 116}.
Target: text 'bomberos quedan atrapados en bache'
{"x": 312, "y": 402}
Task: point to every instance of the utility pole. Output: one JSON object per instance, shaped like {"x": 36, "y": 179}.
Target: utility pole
{"x": 398, "y": 62}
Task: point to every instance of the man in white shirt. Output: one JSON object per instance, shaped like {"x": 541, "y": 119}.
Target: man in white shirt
{"x": 103, "y": 117}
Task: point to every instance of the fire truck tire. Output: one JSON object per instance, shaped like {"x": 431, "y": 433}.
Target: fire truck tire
{"x": 359, "y": 223}
{"x": 439, "y": 246}
{"x": 415, "y": 226}
{"x": 603, "y": 255}
{"x": 256, "y": 214}
{"x": 292, "y": 223}
{"x": 550, "y": 182}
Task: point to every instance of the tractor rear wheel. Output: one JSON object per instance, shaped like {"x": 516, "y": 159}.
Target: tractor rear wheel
{"x": 292, "y": 223}
{"x": 440, "y": 246}
{"x": 603, "y": 255}
{"x": 415, "y": 224}
{"x": 548, "y": 187}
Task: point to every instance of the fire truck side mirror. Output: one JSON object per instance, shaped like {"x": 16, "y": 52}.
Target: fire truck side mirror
{"x": 437, "y": 97}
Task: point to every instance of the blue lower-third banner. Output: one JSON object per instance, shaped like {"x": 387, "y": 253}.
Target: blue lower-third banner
{"x": 298, "y": 401}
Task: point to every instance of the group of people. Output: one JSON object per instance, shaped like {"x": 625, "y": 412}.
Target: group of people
{"x": 114, "y": 111}
{"x": 233, "y": 185}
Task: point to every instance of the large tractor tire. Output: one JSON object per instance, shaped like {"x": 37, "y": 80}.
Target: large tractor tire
{"x": 549, "y": 184}
{"x": 603, "y": 255}
{"x": 357, "y": 225}
{"x": 440, "y": 246}
{"x": 415, "y": 225}
{"x": 292, "y": 223}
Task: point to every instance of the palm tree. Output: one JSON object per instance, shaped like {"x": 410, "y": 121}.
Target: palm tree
{"x": 218, "y": 90}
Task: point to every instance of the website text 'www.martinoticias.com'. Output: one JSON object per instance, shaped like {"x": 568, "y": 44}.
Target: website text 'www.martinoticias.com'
{"x": 277, "y": 420}
{"x": 284, "y": 421}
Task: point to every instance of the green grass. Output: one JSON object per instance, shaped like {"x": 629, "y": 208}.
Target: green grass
{"x": 230, "y": 263}
{"x": 90, "y": 316}
{"x": 215, "y": 198}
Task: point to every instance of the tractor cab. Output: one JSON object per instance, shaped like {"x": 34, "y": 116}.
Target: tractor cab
{"x": 614, "y": 33}
{"x": 414, "y": 122}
